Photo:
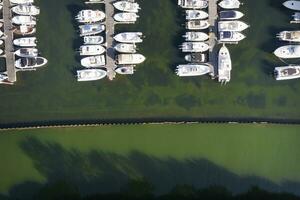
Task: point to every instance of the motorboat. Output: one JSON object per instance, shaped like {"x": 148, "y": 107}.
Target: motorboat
{"x": 287, "y": 72}
{"x": 129, "y": 37}
{"x": 197, "y": 24}
{"x": 288, "y": 51}
{"x": 91, "y": 29}
{"x": 290, "y": 36}
{"x": 192, "y": 70}
{"x": 91, "y": 74}
{"x": 91, "y": 50}
{"x": 1, "y": 33}
{"x": 194, "y": 47}
{"x": 30, "y": 63}
{"x": 127, "y": 6}
{"x": 130, "y": 59}
{"x": 125, "y": 48}
{"x": 231, "y": 36}
{"x": 230, "y": 15}
{"x": 230, "y": 4}
{"x": 126, "y": 17}
{"x": 293, "y": 5}
{"x": 90, "y": 16}
{"x": 196, "y": 58}
{"x": 21, "y": 1}
{"x": 93, "y": 61}
{"x": 25, "y": 30}
{"x": 25, "y": 42}
{"x": 196, "y": 36}
{"x": 24, "y": 20}
{"x": 1, "y": 42}
{"x": 93, "y": 39}
{"x": 26, "y": 9}
{"x": 296, "y": 17}
{"x": 193, "y": 4}
{"x": 224, "y": 65}
{"x": 3, "y": 77}
{"x": 232, "y": 26}
{"x": 125, "y": 70}
{"x": 195, "y": 14}
{"x": 1, "y": 51}
{"x": 27, "y": 52}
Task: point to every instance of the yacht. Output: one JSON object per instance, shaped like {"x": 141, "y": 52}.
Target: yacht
{"x": 25, "y": 42}
{"x": 130, "y": 59}
{"x": 91, "y": 50}
{"x": 232, "y": 26}
{"x": 193, "y": 4}
{"x": 26, "y": 9}
{"x": 196, "y": 58}
{"x": 3, "y": 77}
{"x": 125, "y": 48}
{"x": 231, "y": 36}
{"x": 90, "y": 16}
{"x": 21, "y": 1}
{"x": 129, "y": 37}
{"x": 24, "y": 20}
{"x": 290, "y": 36}
{"x": 288, "y": 51}
{"x": 287, "y": 72}
{"x": 91, "y": 29}
{"x": 90, "y": 74}
{"x": 125, "y": 70}
{"x": 293, "y": 5}
{"x": 197, "y": 24}
{"x": 127, "y": 6}
{"x": 230, "y": 15}
{"x": 192, "y": 70}
{"x": 195, "y": 14}
{"x": 93, "y": 61}
{"x": 196, "y": 36}
{"x": 93, "y": 39}
{"x": 25, "y": 30}
{"x": 224, "y": 65}
{"x": 230, "y": 4}
{"x": 27, "y": 52}
{"x": 30, "y": 63}
{"x": 126, "y": 17}
{"x": 194, "y": 47}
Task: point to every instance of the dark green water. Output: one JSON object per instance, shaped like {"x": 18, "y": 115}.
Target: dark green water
{"x": 52, "y": 93}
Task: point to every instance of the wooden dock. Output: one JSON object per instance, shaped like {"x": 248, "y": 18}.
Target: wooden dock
{"x": 8, "y": 41}
{"x": 213, "y": 32}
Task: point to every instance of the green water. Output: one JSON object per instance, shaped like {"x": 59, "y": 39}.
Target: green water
{"x": 52, "y": 93}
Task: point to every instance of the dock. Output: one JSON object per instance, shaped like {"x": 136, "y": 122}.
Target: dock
{"x": 8, "y": 41}
{"x": 213, "y": 32}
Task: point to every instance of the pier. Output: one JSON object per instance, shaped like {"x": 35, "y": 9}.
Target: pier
{"x": 213, "y": 32}
{"x": 8, "y": 41}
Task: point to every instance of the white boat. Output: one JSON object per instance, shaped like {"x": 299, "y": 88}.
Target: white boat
{"x": 90, "y": 16}
{"x": 25, "y": 30}
{"x": 22, "y": 1}
{"x": 127, "y": 6}
{"x": 290, "y": 36}
{"x": 197, "y": 24}
{"x": 27, "y": 52}
{"x": 91, "y": 50}
{"x": 26, "y": 9}
{"x": 196, "y": 58}
{"x": 125, "y": 48}
{"x": 193, "y": 4}
{"x": 90, "y": 74}
{"x": 93, "y": 39}
{"x": 3, "y": 77}
{"x": 293, "y": 5}
{"x": 1, "y": 42}
{"x": 296, "y": 17}
{"x": 125, "y": 70}
{"x": 30, "y": 63}
{"x": 195, "y": 14}
{"x": 25, "y": 42}
{"x": 24, "y": 20}
{"x": 287, "y": 72}
{"x": 93, "y": 61}
{"x": 130, "y": 59}
{"x": 126, "y": 17}
{"x": 231, "y": 36}
{"x": 232, "y": 26}
{"x": 91, "y": 29}
{"x": 230, "y": 15}
{"x": 230, "y": 4}
{"x": 196, "y": 36}
{"x": 224, "y": 65}
{"x": 1, "y": 33}
{"x": 288, "y": 51}
{"x": 192, "y": 70}
{"x": 129, "y": 37}
{"x": 194, "y": 47}
{"x": 1, "y": 51}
